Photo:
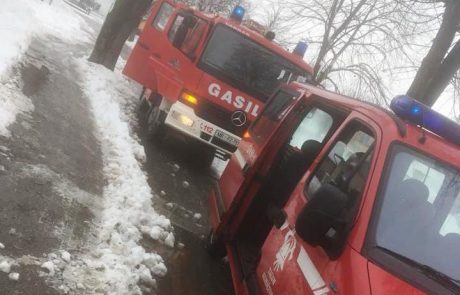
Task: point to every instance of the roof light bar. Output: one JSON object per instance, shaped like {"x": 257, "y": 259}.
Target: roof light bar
{"x": 416, "y": 112}
{"x": 238, "y": 13}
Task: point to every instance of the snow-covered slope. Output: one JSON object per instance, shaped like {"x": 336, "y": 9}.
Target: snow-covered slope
{"x": 20, "y": 21}
{"x": 113, "y": 260}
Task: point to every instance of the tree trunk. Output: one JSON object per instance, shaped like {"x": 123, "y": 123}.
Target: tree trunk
{"x": 446, "y": 72}
{"x": 432, "y": 61}
{"x": 121, "y": 21}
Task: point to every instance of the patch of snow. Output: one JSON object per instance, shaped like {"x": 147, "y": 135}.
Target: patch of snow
{"x": 14, "y": 276}
{"x": 66, "y": 256}
{"x": 2, "y": 246}
{"x": 5, "y": 266}
{"x": 197, "y": 216}
{"x": 163, "y": 193}
{"x": 63, "y": 187}
{"x": 127, "y": 210}
{"x": 176, "y": 167}
{"x": 185, "y": 184}
{"x": 12, "y": 103}
{"x": 20, "y": 22}
{"x": 169, "y": 241}
{"x": 49, "y": 265}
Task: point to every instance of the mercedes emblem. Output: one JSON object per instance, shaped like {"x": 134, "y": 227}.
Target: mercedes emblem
{"x": 239, "y": 118}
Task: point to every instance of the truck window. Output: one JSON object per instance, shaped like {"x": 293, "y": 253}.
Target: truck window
{"x": 175, "y": 26}
{"x": 161, "y": 19}
{"x": 418, "y": 216}
{"x": 349, "y": 165}
{"x": 246, "y": 65}
{"x": 266, "y": 123}
{"x": 276, "y": 107}
{"x": 315, "y": 126}
{"x": 192, "y": 35}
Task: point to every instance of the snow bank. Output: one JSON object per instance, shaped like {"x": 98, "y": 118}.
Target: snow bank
{"x": 127, "y": 209}
{"x": 12, "y": 103}
{"x": 20, "y": 22}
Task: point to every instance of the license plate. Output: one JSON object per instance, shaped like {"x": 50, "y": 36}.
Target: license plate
{"x": 227, "y": 138}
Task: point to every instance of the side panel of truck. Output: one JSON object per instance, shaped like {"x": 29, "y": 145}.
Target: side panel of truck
{"x": 300, "y": 268}
{"x": 155, "y": 62}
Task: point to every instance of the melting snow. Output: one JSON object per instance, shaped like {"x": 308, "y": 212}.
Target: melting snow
{"x": 14, "y": 276}
{"x": 20, "y": 22}
{"x": 49, "y": 266}
{"x": 5, "y": 266}
{"x": 118, "y": 260}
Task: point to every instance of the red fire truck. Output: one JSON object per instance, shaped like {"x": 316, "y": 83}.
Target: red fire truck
{"x": 330, "y": 195}
{"x": 208, "y": 76}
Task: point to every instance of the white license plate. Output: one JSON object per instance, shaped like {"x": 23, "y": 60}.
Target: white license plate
{"x": 227, "y": 138}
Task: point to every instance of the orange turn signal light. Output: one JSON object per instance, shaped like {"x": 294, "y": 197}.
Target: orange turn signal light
{"x": 189, "y": 98}
{"x": 246, "y": 135}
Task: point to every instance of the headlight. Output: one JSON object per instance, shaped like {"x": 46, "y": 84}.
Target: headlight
{"x": 183, "y": 119}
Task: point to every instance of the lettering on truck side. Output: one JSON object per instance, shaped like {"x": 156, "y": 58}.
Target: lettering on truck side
{"x": 238, "y": 101}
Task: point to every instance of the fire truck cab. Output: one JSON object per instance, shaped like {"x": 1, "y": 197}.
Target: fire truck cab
{"x": 330, "y": 195}
{"x": 208, "y": 76}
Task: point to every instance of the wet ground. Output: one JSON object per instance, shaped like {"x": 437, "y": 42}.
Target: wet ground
{"x": 53, "y": 151}
{"x": 191, "y": 269}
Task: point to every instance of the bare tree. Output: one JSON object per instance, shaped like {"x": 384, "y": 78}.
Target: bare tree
{"x": 121, "y": 21}
{"x": 442, "y": 61}
{"x": 355, "y": 44}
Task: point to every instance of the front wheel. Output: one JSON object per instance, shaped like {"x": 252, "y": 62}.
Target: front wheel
{"x": 155, "y": 123}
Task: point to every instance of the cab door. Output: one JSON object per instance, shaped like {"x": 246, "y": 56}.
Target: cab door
{"x": 289, "y": 263}
{"x": 164, "y": 57}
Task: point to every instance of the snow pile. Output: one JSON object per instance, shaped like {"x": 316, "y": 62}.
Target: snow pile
{"x": 119, "y": 262}
{"x": 20, "y": 22}
{"x": 12, "y": 103}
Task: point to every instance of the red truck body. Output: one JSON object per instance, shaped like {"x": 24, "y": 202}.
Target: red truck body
{"x": 330, "y": 195}
{"x": 209, "y": 75}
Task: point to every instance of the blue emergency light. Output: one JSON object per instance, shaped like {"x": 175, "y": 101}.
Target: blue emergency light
{"x": 238, "y": 13}
{"x": 301, "y": 49}
{"x": 415, "y": 112}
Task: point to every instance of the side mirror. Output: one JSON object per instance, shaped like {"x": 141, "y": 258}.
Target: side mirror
{"x": 320, "y": 223}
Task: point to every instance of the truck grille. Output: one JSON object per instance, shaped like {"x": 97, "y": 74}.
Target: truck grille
{"x": 220, "y": 117}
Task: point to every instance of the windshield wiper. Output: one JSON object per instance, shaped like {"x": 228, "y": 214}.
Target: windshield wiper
{"x": 448, "y": 282}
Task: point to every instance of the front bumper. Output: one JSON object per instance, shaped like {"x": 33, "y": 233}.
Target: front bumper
{"x": 183, "y": 118}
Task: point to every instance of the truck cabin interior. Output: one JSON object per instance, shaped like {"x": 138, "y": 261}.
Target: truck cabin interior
{"x": 299, "y": 149}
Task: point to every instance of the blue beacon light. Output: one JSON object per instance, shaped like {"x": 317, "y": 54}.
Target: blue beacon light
{"x": 415, "y": 112}
{"x": 238, "y": 13}
{"x": 301, "y": 49}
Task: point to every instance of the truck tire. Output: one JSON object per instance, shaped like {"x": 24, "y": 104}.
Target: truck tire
{"x": 142, "y": 93}
{"x": 214, "y": 246}
{"x": 155, "y": 123}
{"x": 143, "y": 110}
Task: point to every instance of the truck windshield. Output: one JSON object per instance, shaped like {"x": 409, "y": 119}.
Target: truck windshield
{"x": 246, "y": 65}
{"x": 419, "y": 218}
